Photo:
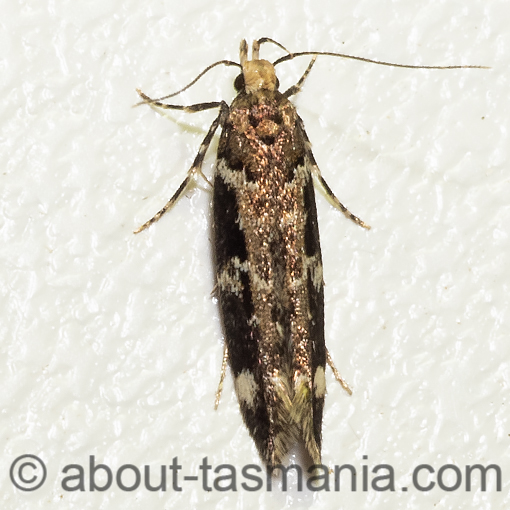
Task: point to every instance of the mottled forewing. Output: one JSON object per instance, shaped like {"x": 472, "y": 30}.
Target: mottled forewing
{"x": 234, "y": 294}
{"x": 269, "y": 274}
{"x": 315, "y": 288}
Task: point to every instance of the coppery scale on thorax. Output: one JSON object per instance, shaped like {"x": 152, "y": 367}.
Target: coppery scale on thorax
{"x": 271, "y": 211}
{"x": 264, "y": 128}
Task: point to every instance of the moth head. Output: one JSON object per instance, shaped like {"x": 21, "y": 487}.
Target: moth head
{"x": 257, "y": 74}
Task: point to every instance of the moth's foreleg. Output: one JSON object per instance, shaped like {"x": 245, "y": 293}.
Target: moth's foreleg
{"x": 199, "y": 107}
{"x": 297, "y": 87}
{"x": 324, "y": 185}
{"x": 196, "y": 167}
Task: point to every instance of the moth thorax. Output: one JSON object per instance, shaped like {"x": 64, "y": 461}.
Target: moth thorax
{"x": 259, "y": 75}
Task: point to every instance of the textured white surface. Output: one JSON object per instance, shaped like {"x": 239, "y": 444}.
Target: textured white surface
{"x": 111, "y": 343}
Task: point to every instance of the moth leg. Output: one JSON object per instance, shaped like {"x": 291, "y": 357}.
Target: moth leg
{"x": 338, "y": 377}
{"x": 297, "y": 87}
{"x": 324, "y": 185}
{"x": 222, "y": 377}
{"x": 196, "y": 167}
{"x": 199, "y": 107}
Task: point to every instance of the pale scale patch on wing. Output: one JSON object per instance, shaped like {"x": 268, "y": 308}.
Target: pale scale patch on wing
{"x": 246, "y": 388}
{"x": 319, "y": 382}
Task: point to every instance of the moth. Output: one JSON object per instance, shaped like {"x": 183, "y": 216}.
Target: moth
{"x": 267, "y": 256}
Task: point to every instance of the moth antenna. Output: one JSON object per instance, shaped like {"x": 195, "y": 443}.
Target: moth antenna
{"x": 269, "y": 40}
{"x": 207, "y": 69}
{"x": 362, "y": 59}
